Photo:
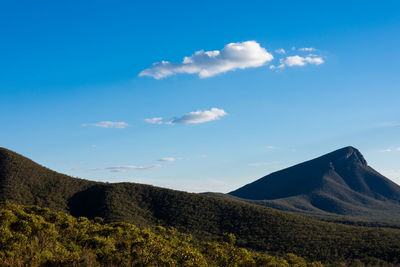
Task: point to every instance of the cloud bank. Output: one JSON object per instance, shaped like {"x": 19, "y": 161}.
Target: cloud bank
{"x": 107, "y": 124}
{"x": 206, "y": 64}
{"x": 199, "y": 116}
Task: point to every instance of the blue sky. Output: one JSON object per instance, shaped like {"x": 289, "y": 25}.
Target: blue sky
{"x": 72, "y": 99}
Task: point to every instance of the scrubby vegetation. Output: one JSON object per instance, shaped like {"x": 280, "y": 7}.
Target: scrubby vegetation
{"x": 256, "y": 227}
{"x": 34, "y": 236}
{"x": 203, "y": 217}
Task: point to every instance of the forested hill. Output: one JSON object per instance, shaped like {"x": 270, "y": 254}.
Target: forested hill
{"x": 261, "y": 228}
{"x": 26, "y": 182}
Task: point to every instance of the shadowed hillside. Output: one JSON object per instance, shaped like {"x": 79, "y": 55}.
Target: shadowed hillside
{"x": 340, "y": 182}
{"x": 24, "y": 182}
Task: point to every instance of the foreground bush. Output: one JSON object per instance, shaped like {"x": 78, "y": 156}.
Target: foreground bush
{"x": 34, "y": 236}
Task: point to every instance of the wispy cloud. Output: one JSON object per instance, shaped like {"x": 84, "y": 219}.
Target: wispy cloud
{"x": 78, "y": 169}
{"x": 307, "y": 49}
{"x": 157, "y": 120}
{"x": 267, "y": 163}
{"x": 300, "y": 61}
{"x": 206, "y": 64}
{"x": 75, "y": 162}
{"x": 297, "y": 57}
{"x": 107, "y": 124}
{"x": 280, "y": 51}
{"x": 194, "y": 117}
{"x": 170, "y": 159}
{"x": 201, "y": 116}
{"x": 389, "y": 124}
{"x": 270, "y": 147}
{"x": 126, "y": 168}
{"x": 397, "y": 149}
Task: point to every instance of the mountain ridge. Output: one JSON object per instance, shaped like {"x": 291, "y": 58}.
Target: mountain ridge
{"x": 256, "y": 227}
{"x": 340, "y": 182}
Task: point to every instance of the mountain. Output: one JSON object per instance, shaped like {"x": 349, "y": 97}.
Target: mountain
{"x": 260, "y": 228}
{"x": 340, "y": 182}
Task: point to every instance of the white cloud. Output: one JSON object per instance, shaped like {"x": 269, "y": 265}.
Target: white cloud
{"x": 129, "y": 167}
{"x": 194, "y": 117}
{"x": 280, "y": 51}
{"x": 201, "y": 116}
{"x": 157, "y": 120}
{"x": 206, "y": 64}
{"x": 170, "y": 159}
{"x": 300, "y": 61}
{"x": 270, "y": 147}
{"x": 398, "y": 149}
{"x": 307, "y": 49}
{"x": 107, "y": 124}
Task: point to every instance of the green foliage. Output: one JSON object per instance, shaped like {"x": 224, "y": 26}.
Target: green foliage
{"x": 200, "y": 216}
{"x": 254, "y": 227}
{"x": 34, "y": 236}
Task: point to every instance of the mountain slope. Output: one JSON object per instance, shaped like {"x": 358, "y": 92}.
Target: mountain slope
{"x": 340, "y": 182}
{"x": 261, "y": 228}
{"x": 26, "y": 182}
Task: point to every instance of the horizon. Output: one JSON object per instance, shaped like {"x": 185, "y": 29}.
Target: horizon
{"x": 167, "y": 159}
{"x": 193, "y": 98}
